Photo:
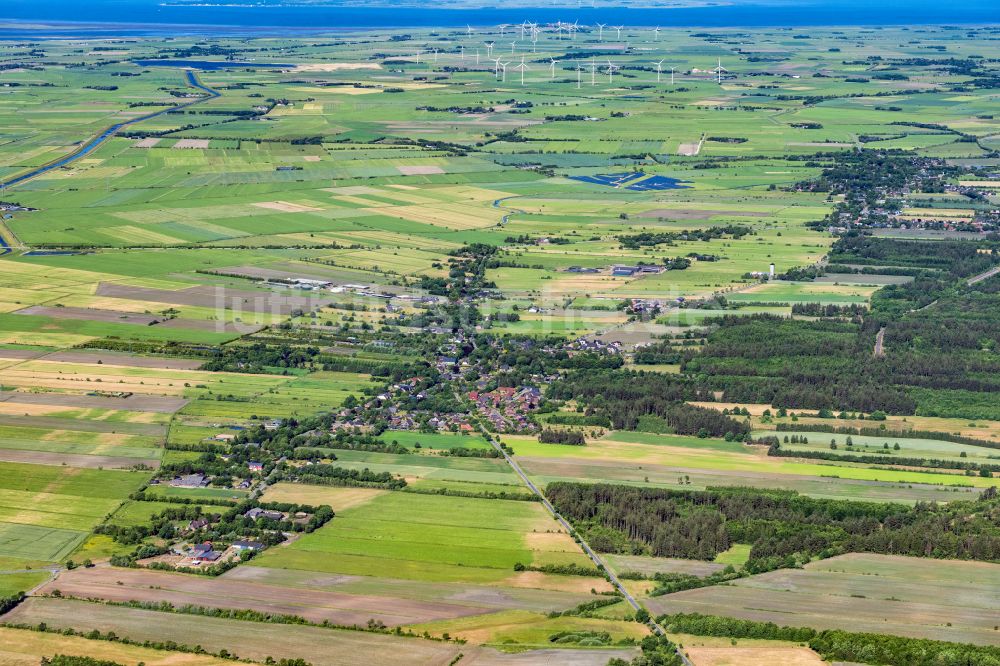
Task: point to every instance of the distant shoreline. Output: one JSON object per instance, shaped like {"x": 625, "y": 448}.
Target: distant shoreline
{"x": 22, "y": 18}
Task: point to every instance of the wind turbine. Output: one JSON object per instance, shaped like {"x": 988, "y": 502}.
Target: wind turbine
{"x": 600, "y": 31}
{"x": 496, "y": 69}
{"x": 477, "y": 56}
{"x": 435, "y": 55}
{"x": 618, "y": 29}
{"x": 719, "y": 70}
{"x": 593, "y": 72}
{"x": 503, "y": 29}
{"x": 418, "y": 56}
{"x": 573, "y": 28}
{"x": 461, "y": 50}
{"x": 656, "y": 32}
{"x": 579, "y": 69}
{"x": 553, "y": 64}
{"x": 468, "y": 30}
{"x": 489, "y": 49}
{"x": 659, "y": 69}
{"x": 522, "y": 67}
{"x": 611, "y": 71}
{"x": 672, "y": 75}
{"x": 512, "y": 45}
{"x": 503, "y": 68}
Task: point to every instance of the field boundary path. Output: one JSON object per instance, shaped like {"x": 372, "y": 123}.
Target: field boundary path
{"x": 92, "y": 144}
{"x": 594, "y": 557}
{"x": 880, "y": 343}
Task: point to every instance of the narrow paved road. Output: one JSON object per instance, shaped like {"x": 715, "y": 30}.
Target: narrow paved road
{"x": 880, "y": 343}
{"x": 594, "y": 557}
{"x": 983, "y": 276}
{"x": 92, "y": 144}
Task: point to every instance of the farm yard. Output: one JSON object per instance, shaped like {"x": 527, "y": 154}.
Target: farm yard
{"x": 301, "y": 358}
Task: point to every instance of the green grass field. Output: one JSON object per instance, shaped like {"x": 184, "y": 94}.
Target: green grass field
{"x": 426, "y": 537}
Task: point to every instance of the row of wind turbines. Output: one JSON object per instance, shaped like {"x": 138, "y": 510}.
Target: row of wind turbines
{"x": 500, "y": 68}
{"x": 533, "y": 30}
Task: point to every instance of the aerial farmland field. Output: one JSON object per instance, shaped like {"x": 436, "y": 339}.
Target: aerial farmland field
{"x": 499, "y": 336}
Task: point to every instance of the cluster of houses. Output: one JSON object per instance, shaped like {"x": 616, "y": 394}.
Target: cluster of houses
{"x": 508, "y": 408}
{"x": 206, "y": 553}
{"x": 645, "y": 306}
{"x": 594, "y": 345}
{"x": 400, "y": 420}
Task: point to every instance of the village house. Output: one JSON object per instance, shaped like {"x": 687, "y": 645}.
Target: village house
{"x": 257, "y": 513}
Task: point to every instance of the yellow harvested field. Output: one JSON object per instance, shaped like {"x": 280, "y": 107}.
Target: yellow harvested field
{"x": 42, "y": 279}
{"x": 550, "y": 541}
{"x": 755, "y": 410}
{"x": 24, "y": 647}
{"x": 451, "y": 216}
{"x": 26, "y": 409}
{"x": 939, "y": 212}
{"x": 979, "y": 183}
{"x": 139, "y": 235}
{"x": 83, "y": 377}
{"x": 542, "y": 581}
{"x": 338, "y": 498}
{"x": 44, "y": 338}
{"x": 287, "y": 207}
{"x": 753, "y": 656}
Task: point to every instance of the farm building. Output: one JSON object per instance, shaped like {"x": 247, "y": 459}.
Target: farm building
{"x": 190, "y": 481}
